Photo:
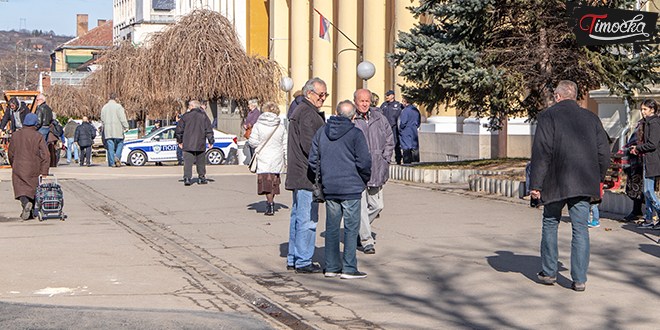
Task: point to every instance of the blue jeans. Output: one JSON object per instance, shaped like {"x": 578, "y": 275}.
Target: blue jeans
{"x": 595, "y": 213}
{"x": 651, "y": 198}
{"x": 71, "y": 147}
{"x": 335, "y": 210}
{"x": 114, "y": 150}
{"x": 302, "y": 230}
{"x": 578, "y": 210}
{"x": 44, "y": 131}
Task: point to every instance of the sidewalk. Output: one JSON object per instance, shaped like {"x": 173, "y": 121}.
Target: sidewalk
{"x": 444, "y": 259}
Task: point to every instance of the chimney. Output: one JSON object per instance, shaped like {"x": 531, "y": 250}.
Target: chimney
{"x": 100, "y": 22}
{"x": 81, "y": 24}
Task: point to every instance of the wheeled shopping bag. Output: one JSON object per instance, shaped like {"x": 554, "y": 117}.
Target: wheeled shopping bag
{"x": 49, "y": 199}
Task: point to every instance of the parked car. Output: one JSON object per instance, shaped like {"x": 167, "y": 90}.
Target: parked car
{"x": 160, "y": 146}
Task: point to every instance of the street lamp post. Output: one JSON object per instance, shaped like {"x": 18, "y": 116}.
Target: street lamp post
{"x": 366, "y": 70}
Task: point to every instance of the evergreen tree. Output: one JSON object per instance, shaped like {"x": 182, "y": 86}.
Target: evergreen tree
{"x": 499, "y": 58}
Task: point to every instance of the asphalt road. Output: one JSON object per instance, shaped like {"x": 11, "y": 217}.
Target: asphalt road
{"x": 139, "y": 246}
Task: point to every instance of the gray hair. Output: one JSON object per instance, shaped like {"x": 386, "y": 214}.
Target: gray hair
{"x": 254, "y": 102}
{"x": 346, "y": 109}
{"x": 271, "y": 107}
{"x": 41, "y": 97}
{"x": 194, "y": 103}
{"x": 310, "y": 85}
{"x": 567, "y": 89}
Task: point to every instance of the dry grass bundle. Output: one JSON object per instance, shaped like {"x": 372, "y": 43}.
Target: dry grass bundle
{"x": 70, "y": 101}
{"x": 201, "y": 57}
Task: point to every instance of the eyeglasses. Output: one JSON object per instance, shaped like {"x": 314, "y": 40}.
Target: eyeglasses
{"x": 322, "y": 94}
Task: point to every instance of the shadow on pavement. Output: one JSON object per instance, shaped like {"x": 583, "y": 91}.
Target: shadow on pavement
{"x": 25, "y": 316}
{"x": 260, "y": 207}
{"x": 509, "y": 262}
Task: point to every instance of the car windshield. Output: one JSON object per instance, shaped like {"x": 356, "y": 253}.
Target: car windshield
{"x": 154, "y": 133}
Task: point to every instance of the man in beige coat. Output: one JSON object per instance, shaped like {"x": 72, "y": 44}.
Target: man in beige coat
{"x": 115, "y": 124}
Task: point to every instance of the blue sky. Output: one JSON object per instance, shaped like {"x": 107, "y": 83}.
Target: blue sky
{"x": 56, "y": 15}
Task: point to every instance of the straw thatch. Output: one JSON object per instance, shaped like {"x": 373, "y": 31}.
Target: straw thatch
{"x": 200, "y": 57}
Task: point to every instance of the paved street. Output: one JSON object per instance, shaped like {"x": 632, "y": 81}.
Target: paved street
{"x": 138, "y": 246}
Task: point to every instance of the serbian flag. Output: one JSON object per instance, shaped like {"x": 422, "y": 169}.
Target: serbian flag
{"x": 323, "y": 27}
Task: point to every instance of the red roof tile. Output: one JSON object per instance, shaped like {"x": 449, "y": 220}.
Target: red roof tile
{"x": 100, "y": 36}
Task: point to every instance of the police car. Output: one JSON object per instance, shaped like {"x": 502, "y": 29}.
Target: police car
{"x": 160, "y": 146}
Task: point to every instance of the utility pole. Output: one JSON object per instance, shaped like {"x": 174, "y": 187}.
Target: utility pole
{"x": 25, "y": 72}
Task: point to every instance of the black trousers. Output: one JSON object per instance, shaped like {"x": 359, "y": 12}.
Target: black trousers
{"x": 197, "y": 157}
{"x": 397, "y": 144}
{"x": 410, "y": 156}
{"x": 85, "y": 155}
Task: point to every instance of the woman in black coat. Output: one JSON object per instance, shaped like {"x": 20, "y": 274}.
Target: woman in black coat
{"x": 650, "y": 150}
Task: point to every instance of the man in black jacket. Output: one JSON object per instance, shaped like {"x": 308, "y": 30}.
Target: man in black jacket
{"x": 44, "y": 116}
{"x": 303, "y": 124}
{"x": 192, "y": 132}
{"x": 342, "y": 152}
{"x": 392, "y": 110}
{"x": 14, "y": 115}
{"x": 570, "y": 157}
{"x": 84, "y": 138}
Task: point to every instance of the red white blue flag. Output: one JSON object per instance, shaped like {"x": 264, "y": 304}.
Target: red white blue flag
{"x": 323, "y": 28}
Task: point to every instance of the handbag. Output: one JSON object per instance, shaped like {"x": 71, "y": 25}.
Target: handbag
{"x": 317, "y": 187}
{"x": 253, "y": 161}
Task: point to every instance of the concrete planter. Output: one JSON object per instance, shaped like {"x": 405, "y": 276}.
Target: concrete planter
{"x": 507, "y": 188}
{"x": 615, "y": 203}
{"x": 420, "y": 175}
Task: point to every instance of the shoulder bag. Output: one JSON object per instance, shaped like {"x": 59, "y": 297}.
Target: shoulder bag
{"x": 317, "y": 187}
{"x": 253, "y": 160}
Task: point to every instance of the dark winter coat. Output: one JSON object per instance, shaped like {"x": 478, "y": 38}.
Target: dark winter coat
{"x": 303, "y": 124}
{"x": 410, "y": 120}
{"x": 345, "y": 159}
{"x": 570, "y": 154}
{"x": 380, "y": 140}
{"x": 651, "y": 146}
{"x": 391, "y": 110}
{"x": 85, "y": 134}
{"x": 29, "y": 157}
{"x": 44, "y": 115}
{"x": 294, "y": 104}
{"x": 194, "y": 130}
{"x": 8, "y": 117}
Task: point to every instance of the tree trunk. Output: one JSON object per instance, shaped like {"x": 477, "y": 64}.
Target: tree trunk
{"x": 502, "y": 139}
{"x": 546, "y": 69}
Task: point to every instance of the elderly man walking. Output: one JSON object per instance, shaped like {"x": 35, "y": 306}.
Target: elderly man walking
{"x": 570, "y": 157}
{"x": 380, "y": 140}
{"x": 305, "y": 120}
{"x": 192, "y": 132}
{"x": 115, "y": 124}
{"x": 345, "y": 168}
{"x": 44, "y": 116}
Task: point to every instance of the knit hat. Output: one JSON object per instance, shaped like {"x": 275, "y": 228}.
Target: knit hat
{"x": 30, "y": 120}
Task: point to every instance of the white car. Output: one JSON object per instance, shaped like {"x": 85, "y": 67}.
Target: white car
{"x": 160, "y": 146}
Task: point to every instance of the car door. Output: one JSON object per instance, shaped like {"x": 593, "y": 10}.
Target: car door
{"x": 164, "y": 146}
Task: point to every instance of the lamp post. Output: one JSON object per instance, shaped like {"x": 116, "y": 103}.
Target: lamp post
{"x": 365, "y": 71}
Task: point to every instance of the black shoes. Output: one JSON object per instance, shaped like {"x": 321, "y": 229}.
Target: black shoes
{"x": 187, "y": 182}
{"x": 369, "y": 249}
{"x": 350, "y": 276}
{"x": 545, "y": 279}
{"x": 202, "y": 180}
{"x": 579, "y": 287}
{"x": 270, "y": 209}
{"x": 309, "y": 269}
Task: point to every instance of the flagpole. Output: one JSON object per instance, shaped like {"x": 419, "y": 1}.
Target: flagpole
{"x": 340, "y": 31}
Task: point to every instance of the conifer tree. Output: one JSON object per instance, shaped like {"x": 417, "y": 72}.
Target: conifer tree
{"x": 499, "y": 58}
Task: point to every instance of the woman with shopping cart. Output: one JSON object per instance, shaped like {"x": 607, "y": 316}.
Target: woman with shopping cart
{"x": 29, "y": 158}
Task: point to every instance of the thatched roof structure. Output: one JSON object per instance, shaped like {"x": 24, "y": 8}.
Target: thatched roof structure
{"x": 200, "y": 57}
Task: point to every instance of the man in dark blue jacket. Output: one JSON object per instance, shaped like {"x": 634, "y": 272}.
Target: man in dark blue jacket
{"x": 192, "y": 132}
{"x": 570, "y": 157}
{"x": 342, "y": 152}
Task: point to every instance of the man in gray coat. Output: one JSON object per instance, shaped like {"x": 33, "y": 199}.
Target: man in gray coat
{"x": 192, "y": 132}
{"x": 570, "y": 157}
{"x": 380, "y": 139}
{"x": 115, "y": 124}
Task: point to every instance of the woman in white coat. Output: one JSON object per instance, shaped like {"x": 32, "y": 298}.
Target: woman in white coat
{"x": 269, "y": 138}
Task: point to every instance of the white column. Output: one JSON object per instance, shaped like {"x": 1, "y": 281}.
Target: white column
{"x": 279, "y": 37}
{"x": 322, "y": 53}
{"x": 299, "y": 43}
{"x": 347, "y": 54}
{"x": 374, "y": 43}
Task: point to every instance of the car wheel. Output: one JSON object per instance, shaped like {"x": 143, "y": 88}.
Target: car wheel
{"x": 215, "y": 157}
{"x": 137, "y": 158}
